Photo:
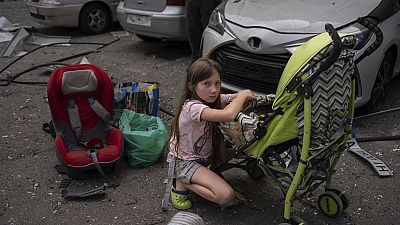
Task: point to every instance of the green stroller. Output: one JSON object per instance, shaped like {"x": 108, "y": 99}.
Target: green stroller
{"x": 299, "y": 144}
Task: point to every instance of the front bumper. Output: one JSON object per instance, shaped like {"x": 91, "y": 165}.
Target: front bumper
{"x": 169, "y": 24}
{"x": 66, "y": 15}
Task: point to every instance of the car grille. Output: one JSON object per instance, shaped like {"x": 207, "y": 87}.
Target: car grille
{"x": 251, "y": 71}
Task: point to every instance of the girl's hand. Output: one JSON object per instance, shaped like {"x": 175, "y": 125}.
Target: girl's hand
{"x": 230, "y": 112}
{"x": 247, "y": 94}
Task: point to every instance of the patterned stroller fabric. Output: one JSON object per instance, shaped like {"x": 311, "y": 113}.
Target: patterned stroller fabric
{"x": 330, "y": 101}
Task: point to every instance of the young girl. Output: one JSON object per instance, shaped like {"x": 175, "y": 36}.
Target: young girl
{"x": 195, "y": 141}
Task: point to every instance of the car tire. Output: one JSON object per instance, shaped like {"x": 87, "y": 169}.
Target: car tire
{"x": 94, "y": 19}
{"x": 382, "y": 83}
{"x": 146, "y": 38}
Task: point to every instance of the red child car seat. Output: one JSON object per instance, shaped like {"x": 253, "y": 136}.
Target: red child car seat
{"x": 81, "y": 101}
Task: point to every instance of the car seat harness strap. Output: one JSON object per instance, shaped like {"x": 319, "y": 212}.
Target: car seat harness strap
{"x": 93, "y": 152}
{"x": 99, "y": 109}
{"x": 92, "y": 149}
{"x": 74, "y": 119}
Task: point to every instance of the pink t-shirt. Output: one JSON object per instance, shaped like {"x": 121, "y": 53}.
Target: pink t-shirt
{"x": 195, "y": 141}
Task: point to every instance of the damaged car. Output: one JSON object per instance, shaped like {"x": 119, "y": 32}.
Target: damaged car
{"x": 253, "y": 40}
{"x": 154, "y": 19}
{"x": 92, "y": 17}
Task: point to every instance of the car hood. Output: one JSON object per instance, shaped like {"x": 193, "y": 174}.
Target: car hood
{"x": 296, "y": 16}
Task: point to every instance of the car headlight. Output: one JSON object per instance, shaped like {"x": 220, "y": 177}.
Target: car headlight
{"x": 362, "y": 38}
{"x": 52, "y": 2}
{"x": 217, "y": 21}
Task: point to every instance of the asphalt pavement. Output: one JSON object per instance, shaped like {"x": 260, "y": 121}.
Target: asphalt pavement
{"x": 30, "y": 190}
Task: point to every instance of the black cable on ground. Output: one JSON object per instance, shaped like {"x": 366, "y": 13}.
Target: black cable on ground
{"x": 11, "y": 79}
{"x": 38, "y": 83}
{"x": 377, "y": 113}
{"x": 57, "y": 62}
{"x": 107, "y": 44}
{"x": 59, "y": 43}
{"x": 378, "y": 138}
{"x": 77, "y": 55}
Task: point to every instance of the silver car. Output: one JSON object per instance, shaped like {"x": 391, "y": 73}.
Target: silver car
{"x": 91, "y": 16}
{"x": 253, "y": 40}
{"x": 149, "y": 19}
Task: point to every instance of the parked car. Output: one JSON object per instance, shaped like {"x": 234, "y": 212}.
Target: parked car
{"x": 91, "y": 16}
{"x": 149, "y": 19}
{"x": 253, "y": 40}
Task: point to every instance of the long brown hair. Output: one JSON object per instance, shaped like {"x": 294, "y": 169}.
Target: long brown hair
{"x": 200, "y": 70}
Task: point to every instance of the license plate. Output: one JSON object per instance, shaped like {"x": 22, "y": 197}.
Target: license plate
{"x": 33, "y": 9}
{"x": 139, "y": 20}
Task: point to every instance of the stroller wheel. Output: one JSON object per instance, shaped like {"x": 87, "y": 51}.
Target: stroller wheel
{"x": 343, "y": 196}
{"x": 253, "y": 170}
{"x": 330, "y": 204}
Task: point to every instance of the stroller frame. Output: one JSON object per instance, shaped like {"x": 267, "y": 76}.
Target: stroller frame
{"x": 322, "y": 158}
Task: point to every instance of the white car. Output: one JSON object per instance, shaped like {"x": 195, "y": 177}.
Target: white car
{"x": 149, "y": 19}
{"x": 252, "y": 40}
{"x": 91, "y": 16}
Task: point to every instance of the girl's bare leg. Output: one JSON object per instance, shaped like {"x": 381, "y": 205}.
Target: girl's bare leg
{"x": 210, "y": 186}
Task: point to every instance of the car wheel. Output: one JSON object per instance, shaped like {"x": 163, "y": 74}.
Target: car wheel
{"x": 94, "y": 19}
{"x": 146, "y": 38}
{"x": 382, "y": 83}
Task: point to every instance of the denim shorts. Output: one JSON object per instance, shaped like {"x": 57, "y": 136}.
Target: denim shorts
{"x": 184, "y": 169}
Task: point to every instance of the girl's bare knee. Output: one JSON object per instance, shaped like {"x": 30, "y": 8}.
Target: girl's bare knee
{"x": 225, "y": 197}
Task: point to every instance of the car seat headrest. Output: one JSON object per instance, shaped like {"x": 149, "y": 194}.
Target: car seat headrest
{"x": 78, "y": 81}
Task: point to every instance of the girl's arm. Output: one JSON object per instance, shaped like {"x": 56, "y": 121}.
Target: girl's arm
{"x": 230, "y": 111}
{"x": 233, "y": 96}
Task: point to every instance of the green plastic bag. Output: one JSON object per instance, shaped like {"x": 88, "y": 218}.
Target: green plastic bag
{"x": 144, "y": 137}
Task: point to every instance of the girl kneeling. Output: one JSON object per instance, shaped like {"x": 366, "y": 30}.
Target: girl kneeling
{"x": 195, "y": 141}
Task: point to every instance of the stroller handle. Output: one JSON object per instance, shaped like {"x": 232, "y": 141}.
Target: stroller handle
{"x": 372, "y": 26}
{"x": 337, "y": 47}
{"x": 333, "y": 54}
